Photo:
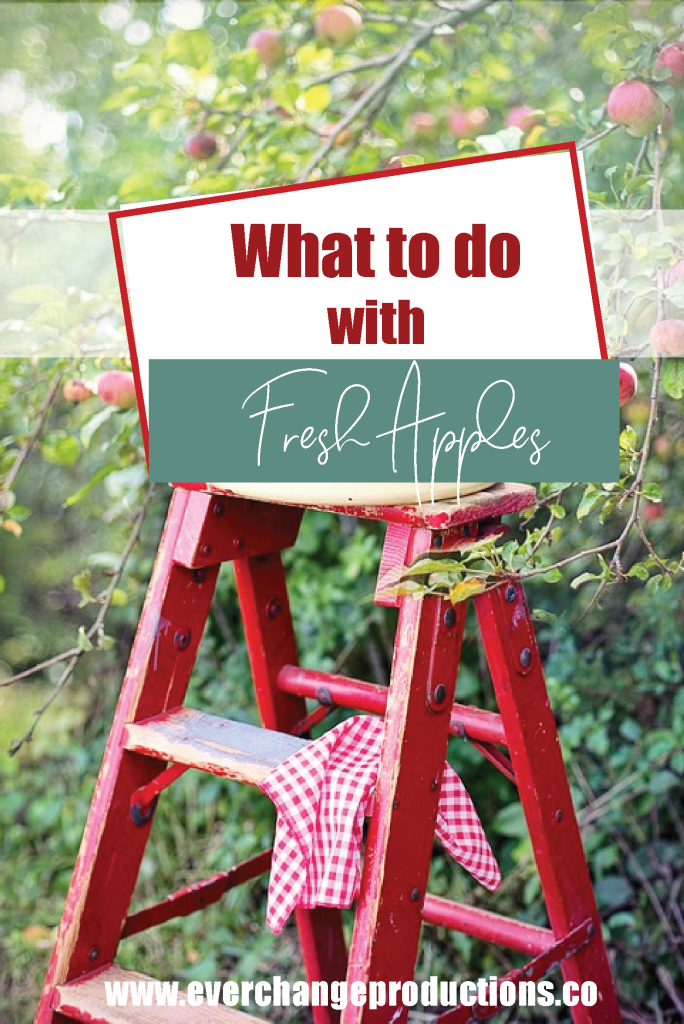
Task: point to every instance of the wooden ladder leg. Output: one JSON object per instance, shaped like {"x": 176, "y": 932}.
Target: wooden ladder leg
{"x": 170, "y": 629}
{"x": 518, "y": 679}
{"x": 401, "y": 835}
{"x": 271, "y": 644}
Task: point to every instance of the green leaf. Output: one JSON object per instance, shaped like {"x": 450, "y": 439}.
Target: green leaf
{"x": 628, "y": 439}
{"x": 542, "y": 615}
{"x": 510, "y": 821}
{"x": 78, "y": 495}
{"x": 558, "y": 511}
{"x": 663, "y": 781}
{"x": 51, "y": 314}
{"x": 60, "y": 448}
{"x": 315, "y": 99}
{"x": 612, "y": 891}
{"x": 652, "y": 492}
{"x": 35, "y": 293}
{"x": 427, "y": 565}
{"x": 191, "y": 47}
{"x": 466, "y": 589}
{"x": 552, "y": 576}
{"x": 142, "y": 186}
{"x": 639, "y": 570}
{"x": 409, "y": 160}
{"x": 81, "y": 583}
{"x": 584, "y": 577}
{"x": 94, "y": 424}
{"x": 122, "y": 98}
{"x": 673, "y": 377}
{"x": 589, "y": 499}
{"x": 405, "y": 589}
{"x": 83, "y": 641}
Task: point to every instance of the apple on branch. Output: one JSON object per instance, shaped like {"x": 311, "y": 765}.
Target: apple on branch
{"x": 636, "y": 106}
{"x": 117, "y": 387}
{"x": 77, "y": 391}
{"x": 201, "y": 145}
{"x": 338, "y": 25}
{"x": 667, "y": 337}
{"x": 672, "y": 58}
{"x": 269, "y": 45}
{"x": 628, "y": 383}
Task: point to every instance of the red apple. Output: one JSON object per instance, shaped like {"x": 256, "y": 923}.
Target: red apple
{"x": 674, "y": 274}
{"x": 652, "y": 511}
{"x": 201, "y": 145}
{"x": 667, "y": 337}
{"x": 268, "y": 44}
{"x": 672, "y": 58}
{"x": 628, "y": 383}
{"x": 422, "y": 123}
{"x": 338, "y": 25}
{"x": 466, "y": 124}
{"x": 522, "y": 117}
{"x": 76, "y": 391}
{"x": 342, "y": 139}
{"x": 117, "y": 387}
{"x": 636, "y": 106}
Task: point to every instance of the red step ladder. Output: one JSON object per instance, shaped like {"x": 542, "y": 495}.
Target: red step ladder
{"x": 155, "y": 738}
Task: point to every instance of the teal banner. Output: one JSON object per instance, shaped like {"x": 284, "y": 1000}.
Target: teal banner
{"x": 285, "y": 420}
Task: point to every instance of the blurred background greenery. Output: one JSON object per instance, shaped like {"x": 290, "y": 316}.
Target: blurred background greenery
{"x": 97, "y": 103}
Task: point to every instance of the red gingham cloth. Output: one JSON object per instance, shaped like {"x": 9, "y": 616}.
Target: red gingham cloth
{"x": 322, "y": 794}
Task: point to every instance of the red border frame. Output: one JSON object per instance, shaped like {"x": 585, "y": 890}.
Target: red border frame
{"x": 559, "y": 147}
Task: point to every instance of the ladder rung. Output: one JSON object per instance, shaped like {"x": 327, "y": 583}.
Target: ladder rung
{"x": 212, "y": 744}
{"x": 354, "y": 693}
{"x": 489, "y": 927}
{"x": 197, "y": 896}
{"x": 85, "y": 999}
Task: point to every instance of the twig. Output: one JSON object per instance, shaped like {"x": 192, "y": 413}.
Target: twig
{"x": 353, "y": 69}
{"x": 665, "y": 979}
{"x": 39, "y": 667}
{"x": 29, "y": 441}
{"x": 585, "y": 143}
{"x": 386, "y": 79}
{"x": 639, "y": 873}
{"x": 97, "y": 627}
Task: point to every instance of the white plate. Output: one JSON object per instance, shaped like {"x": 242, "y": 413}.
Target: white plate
{"x": 349, "y": 494}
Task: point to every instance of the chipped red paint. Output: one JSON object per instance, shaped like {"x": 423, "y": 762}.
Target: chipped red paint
{"x": 535, "y": 752}
{"x": 419, "y": 720}
{"x": 566, "y": 947}
{"x": 500, "y": 500}
{"x": 271, "y": 643}
{"x": 489, "y": 927}
{"x": 197, "y": 896}
{"x": 389, "y": 911}
{"x": 353, "y": 693}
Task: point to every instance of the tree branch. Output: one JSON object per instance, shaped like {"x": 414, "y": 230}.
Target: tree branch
{"x": 29, "y": 441}
{"x": 386, "y": 80}
{"x": 94, "y": 632}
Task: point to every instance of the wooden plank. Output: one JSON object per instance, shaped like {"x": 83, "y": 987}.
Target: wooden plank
{"x": 86, "y": 1000}
{"x": 232, "y": 750}
{"x": 500, "y": 500}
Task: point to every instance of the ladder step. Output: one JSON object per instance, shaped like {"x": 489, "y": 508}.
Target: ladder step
{"x": 86, "y": 1000}
{"x": 212, "y": 744}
